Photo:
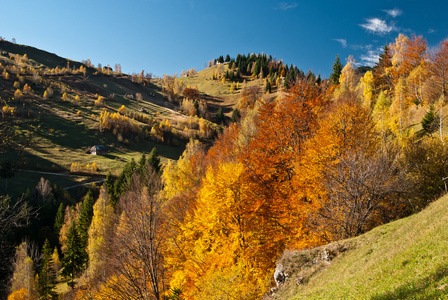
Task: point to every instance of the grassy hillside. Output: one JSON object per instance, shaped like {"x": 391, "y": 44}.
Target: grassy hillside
{"x": 65, "y": 126}
{"x": 405, "y": 259}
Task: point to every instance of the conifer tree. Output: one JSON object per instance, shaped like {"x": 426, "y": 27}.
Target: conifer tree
{"x": 142, "y": 164}
{"x": 430, "y": 120}
{"x": 336, "y": 71}
{"x": 268, "y": 87}
{"x": 236, "y": 115}
{"x": 74, "y": 256}
{"x": 59, "y": 219}
{"x": 220, "y": 116}
{"x": 47, "y": 276}
{"x": 154, "y": 160}
{"x": 85, "y": 217}
{"x": 109, "y": 183}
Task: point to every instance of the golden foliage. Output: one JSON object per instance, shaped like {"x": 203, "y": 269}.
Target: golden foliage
{"x": 87, "y": 168}
{"x": 18, "y": 94}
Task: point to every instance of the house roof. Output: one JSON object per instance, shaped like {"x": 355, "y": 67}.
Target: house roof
{"x": 100, "y": 148}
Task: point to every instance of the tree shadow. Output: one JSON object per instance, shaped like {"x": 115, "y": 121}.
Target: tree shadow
{"x": 419, "y": 289}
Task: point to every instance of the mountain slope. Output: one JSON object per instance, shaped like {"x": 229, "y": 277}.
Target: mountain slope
{"x": 67, "y": 121}
{"x": 405, "y": 259}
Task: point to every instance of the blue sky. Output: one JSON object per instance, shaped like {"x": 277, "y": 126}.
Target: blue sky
{"x": 168, "y": 36}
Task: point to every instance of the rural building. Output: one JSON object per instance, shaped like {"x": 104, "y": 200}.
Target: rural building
{"x": 98, "y": 150}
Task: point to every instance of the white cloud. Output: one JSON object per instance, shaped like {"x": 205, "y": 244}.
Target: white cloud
{"x": 376, "y": 25}
{"x": 370, "y": 58}
{"x": 342, "y": 41}
{"x": 431, "y": 30}
{"x": 286, "y": 5}
{"x": 393, "y": 12}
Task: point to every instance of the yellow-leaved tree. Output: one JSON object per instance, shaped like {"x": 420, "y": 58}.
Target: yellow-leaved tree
{"x": 217, "y": 242}
{"x": 100, "y": 228}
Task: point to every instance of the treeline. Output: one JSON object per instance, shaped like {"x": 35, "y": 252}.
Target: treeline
{"x": 264, "y": 66}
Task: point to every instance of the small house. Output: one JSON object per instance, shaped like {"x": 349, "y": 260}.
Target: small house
{"x": 98, "y": 150}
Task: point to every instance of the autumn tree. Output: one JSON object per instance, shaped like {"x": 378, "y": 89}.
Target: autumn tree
{"x": 426, "y": 161}
{"x": 136, "y": 262}
{"x": 407, "y": 54}
{"x": 249, "y": 95}
{"x": 71, "y": 216}
{"x": 438, "y": 70}
{"x": 353, "y": 183}
{"x": 363, "y": 190}
{"x": 217, "y": 240}
{"x": 368, "y": 90}
{"x": 381, "y": 114}
{"x": 24, "y": 276}
{"x": 191, "y": 93}
{"x": 14, "y": 215}
{"x": 347, "y": 77}
{"x": 44, "y": 189}
{"x": 99, "y": 232}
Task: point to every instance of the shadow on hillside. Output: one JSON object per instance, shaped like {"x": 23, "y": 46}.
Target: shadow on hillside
{"x": 419, "y": 289}
{"x": 215, "y": 103}
{"x": 68, "y": 133}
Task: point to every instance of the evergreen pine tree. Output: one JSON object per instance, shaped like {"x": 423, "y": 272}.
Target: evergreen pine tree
{"x": 85, "y": 217}
{"x": 430, "y": 120}
{"x": 382, "y": 79}
{"x": 47, "y": 275}
{"x": 142, "y": 164}
{"x": 268, "y": 87}
{"x": 336, "y": 73}
{"x": 109, "y": 184}
{"x": 232, "y": 76}
{"x": 220, "y": 116}
{"x": 236, "y": 115}
{"x": 154, "y": 160}
{"x": 59, "y": 219}
{"x": 227, "y": 58}
{"x": 74, "y": 256}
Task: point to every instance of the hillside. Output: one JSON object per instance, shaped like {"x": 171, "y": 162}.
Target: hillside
{"x": 405, "y": 259}
{"x": 54, "y": 100}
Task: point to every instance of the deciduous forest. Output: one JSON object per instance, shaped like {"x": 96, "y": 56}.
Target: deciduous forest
{"x": 315, "y": 162}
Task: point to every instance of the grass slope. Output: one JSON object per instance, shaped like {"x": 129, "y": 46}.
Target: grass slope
{"x": 405, "y": 259}
{"x": 67, "y": 129}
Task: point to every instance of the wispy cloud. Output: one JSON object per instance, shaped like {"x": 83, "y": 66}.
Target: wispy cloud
{"x": 286, "y": 5}
{"x": 393, "y": 12}
{"x": 370, "y": 58}
{"x": 431, "y": 30}
{"x": 342, "y": 41}
{"x": 378, "y": 26}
